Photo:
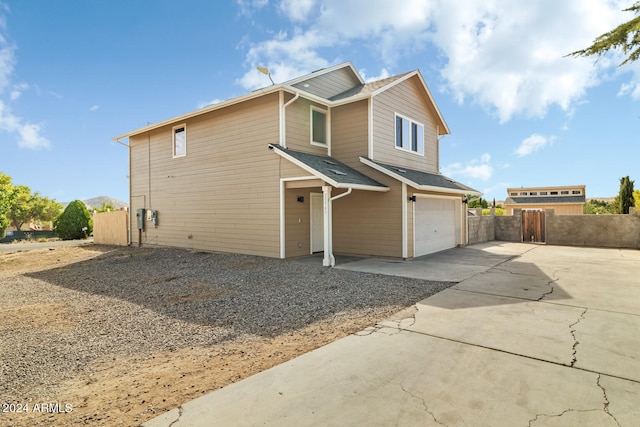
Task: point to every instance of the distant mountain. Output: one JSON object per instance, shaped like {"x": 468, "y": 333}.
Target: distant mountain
{"x": 96, "y": 202}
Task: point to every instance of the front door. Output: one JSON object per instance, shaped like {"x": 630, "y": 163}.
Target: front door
{"x": 317, "y": 223}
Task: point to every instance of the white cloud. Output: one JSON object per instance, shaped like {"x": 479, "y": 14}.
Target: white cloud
{"x": 94, "y": 108}
{"x": 28, "y": 133}
{"x": 535, "y": 142}
{"x": 207, "y": 103}
{"x": 296, "y": 10}
{"x": 507, "y": 56}
{"x": 475, "y": 169}
{"x": 17, "y": 90}
{"x": 247, "y": 7}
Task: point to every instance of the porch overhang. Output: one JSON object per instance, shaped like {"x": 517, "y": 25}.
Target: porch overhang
{"x": 421, "y": 180}
{"x": 330, "y": 170}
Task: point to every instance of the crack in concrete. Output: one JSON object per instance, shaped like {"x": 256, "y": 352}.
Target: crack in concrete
{"x": 546, "y": 294}
{"x": 606, "y": 400}
{"x": 573, "y": 331}
{"x": 179, "y": 416}
{"x": 424, "y": 404}
{"x": 566, "y": 411}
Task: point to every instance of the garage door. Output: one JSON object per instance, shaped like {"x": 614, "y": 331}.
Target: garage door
{"x": 435, "y": 225}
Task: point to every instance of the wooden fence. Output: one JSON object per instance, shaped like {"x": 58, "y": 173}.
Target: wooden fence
{"x": 111, "y": 228}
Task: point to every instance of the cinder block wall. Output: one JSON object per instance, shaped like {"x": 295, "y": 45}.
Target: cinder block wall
{"x": 482, "y": 228}
{"x": 509, "y": 228}
{"x": 609, "y": 231}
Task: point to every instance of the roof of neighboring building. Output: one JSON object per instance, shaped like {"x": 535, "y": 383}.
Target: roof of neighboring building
{"x": 537, "y": 200}
{"x": 330, "y": 170}
{"x": 421, "y": 180}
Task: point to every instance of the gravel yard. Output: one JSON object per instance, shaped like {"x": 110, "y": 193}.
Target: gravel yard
{"x": 98, "y": 335}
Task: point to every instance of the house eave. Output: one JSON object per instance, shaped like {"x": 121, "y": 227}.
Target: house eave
{"x": 229, "y": 102}
{"x": 416, "y": 185}
{"x": 324, "y": 177}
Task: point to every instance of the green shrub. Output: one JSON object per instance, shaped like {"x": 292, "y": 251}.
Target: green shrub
{"x": 4, "y": 224}
{"x": 74, "y": 223}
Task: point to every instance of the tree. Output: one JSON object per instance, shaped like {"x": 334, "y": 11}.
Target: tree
{"x": 104, "y": 207}
{"x": 625, "y": 36}
{"x": 74, "y": 223}
{"x": 5, "y": 186}
{"x": 625, "y": 200}
{"x": 597, "y": 207}
{"x": 19, "y": 210}
{"x": 477, "y": 202}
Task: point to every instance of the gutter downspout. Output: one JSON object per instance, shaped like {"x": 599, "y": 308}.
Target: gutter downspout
{"x": 329, "y": 260}
{"x": 283, "y": 122}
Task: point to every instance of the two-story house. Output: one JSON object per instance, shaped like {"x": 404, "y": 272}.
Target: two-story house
{"x": 321, "y": 163}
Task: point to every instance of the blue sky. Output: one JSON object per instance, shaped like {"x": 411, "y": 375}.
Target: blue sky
{"x": 75, "y": 74}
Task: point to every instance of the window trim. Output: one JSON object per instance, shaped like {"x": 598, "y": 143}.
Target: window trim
{"x": 412, "y": 124}
{"x": 173, "y": 140}
{"x": 326, "y": 126}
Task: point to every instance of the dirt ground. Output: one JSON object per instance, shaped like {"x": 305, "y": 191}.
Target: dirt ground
{"x": 117, "y": 391}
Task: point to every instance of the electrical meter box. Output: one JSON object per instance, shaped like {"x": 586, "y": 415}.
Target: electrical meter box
{"x": 154, "y": 218}
{"x": 140, "y": 217}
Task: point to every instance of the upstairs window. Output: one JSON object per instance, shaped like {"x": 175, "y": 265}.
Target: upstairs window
{"x": 576, "y": 191}
{"x": 409, "y": 135}
{"x": 180, "y": 141}
{"x": 318, "y": 126}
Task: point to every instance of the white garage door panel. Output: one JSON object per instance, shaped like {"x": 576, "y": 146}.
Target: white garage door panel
{"x": 435, "y": 225}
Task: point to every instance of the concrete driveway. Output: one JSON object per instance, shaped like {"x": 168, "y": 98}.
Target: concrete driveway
{"x": 530, "y": 336}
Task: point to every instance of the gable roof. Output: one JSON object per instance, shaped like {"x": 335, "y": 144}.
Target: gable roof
{"x": 330, "y": 170}
{"x": 421, "y": 180}
{"x": 360, "y": 91}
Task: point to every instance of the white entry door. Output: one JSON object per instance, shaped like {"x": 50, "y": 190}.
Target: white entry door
{"x": 317, "y": 223}
{"x": 435, "y": 225}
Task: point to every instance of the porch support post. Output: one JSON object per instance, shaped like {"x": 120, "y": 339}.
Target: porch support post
{"x": 328, "y": 244}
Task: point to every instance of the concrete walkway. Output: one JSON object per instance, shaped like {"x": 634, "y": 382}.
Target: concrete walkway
{"x": 531, "y": 336}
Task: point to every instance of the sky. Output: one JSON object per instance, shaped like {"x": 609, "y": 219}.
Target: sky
{"x": 76, "y": 74}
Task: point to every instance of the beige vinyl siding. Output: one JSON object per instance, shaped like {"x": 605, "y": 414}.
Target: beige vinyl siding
{"x": 298, "y": 130}
{"x": 330, "y": 84}
{"x": 349, "y": 134}
{"x": 368, "y": 223}
{"x": 409, "y": 100}
{"x": 558, "y": 209}
{"x": 224, "y": 194}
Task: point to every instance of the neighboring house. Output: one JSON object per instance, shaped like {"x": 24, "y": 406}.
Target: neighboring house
{"x": 565, "y": 200}
{"x": 321, "y": 163}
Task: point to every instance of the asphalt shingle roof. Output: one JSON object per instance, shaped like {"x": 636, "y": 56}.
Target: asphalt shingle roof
{"x": 367, "y": 88}
{"x": 425, "y": 179}
{"x": 545, "y": 200}
{"x": 331, "y": 169}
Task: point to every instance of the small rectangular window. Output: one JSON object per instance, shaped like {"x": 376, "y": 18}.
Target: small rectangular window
{"x": 514, "y": 194}
{"x": 533, "y": 193}
{"x": 564, "y": 192}
{"x": 179, "y": 141}
{"x": 318, "y": 126}
{"x": 409, "y": 135}
{"x": 524, "y": 193}
{"x": 576, "y": 191}
{"x": 543, "y": 193}
{"x": 554, "y": 193}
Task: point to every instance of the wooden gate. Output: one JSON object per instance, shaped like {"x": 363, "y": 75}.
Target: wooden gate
{"x": 533, "y": 226}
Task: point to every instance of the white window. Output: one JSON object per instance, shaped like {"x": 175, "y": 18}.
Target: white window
{"x": 319, "y": 126}
{"x": 179, "y": 141}
{"x": 409, "y": 135}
